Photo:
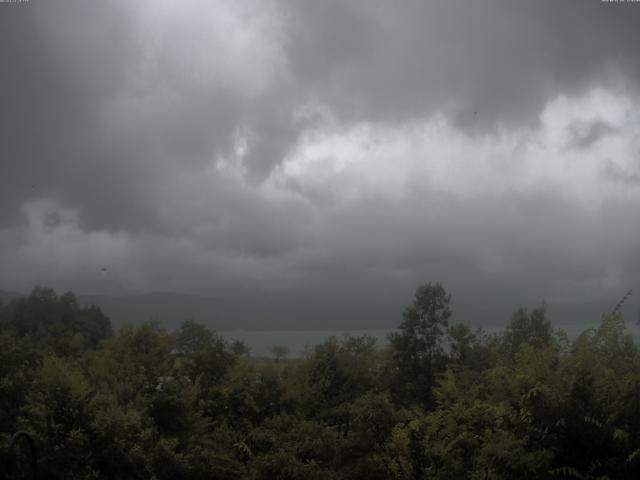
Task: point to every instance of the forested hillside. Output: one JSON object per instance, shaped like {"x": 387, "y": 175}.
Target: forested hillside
{"x": 440, "y": 401}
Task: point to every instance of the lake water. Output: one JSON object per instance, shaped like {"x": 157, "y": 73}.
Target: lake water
{"x": 260, "y": 342}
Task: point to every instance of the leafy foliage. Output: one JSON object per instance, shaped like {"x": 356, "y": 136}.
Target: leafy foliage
{"x": 439, "y": 401}
{"x": 417, "y": 348}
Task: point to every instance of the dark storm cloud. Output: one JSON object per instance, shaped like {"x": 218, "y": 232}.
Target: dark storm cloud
{"x": 502, "y": 59}
{"x": 585, "y": 134}
{"x": 168, "y": 139}
{"x": 95, "y": 113}
{"x": 55, "y": 76}
{"x": 67, "y": 63}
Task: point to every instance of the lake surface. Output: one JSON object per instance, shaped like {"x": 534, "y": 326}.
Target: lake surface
{"x": 260, "y": 342}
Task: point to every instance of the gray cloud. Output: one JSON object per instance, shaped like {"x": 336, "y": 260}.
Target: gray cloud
{"x": 585, "y": 134}
{"x": 338, "y": 148}
{"x": 501, "y": 59}
{"x": 621, "y": 174}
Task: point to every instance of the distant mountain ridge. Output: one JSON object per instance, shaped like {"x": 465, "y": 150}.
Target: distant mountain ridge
{"x": 259, "y": 314}
{"x": 171, "y": 309}
{"x": 6, "y": 296}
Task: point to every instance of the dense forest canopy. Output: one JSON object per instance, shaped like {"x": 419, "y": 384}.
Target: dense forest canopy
{"x": 439, "y": 401}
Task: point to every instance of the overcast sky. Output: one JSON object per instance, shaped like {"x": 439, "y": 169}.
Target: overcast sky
{"x": 333, "y": 150}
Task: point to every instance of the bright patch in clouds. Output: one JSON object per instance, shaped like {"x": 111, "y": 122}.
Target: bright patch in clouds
{"x": 390, "y": 202}
{"x": 366, "y": 159}
{"x": 227, "y": 44}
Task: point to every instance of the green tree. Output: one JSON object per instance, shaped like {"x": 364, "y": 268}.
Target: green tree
{"x": 239, "y": 348}
{"x": 528, "y": 327}
{"x": 201, "y": 354}
{"x": 20, "y": 360}
{"x": 470, "y": 349}
{"x": 56, "y": 322}
{"x": 58, "y": 414}
{"x": 279, "y": 352}
{"x": 417, "y": 349}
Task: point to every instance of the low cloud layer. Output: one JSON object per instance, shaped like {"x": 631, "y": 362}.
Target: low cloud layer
{"x": 321, "y": 150}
